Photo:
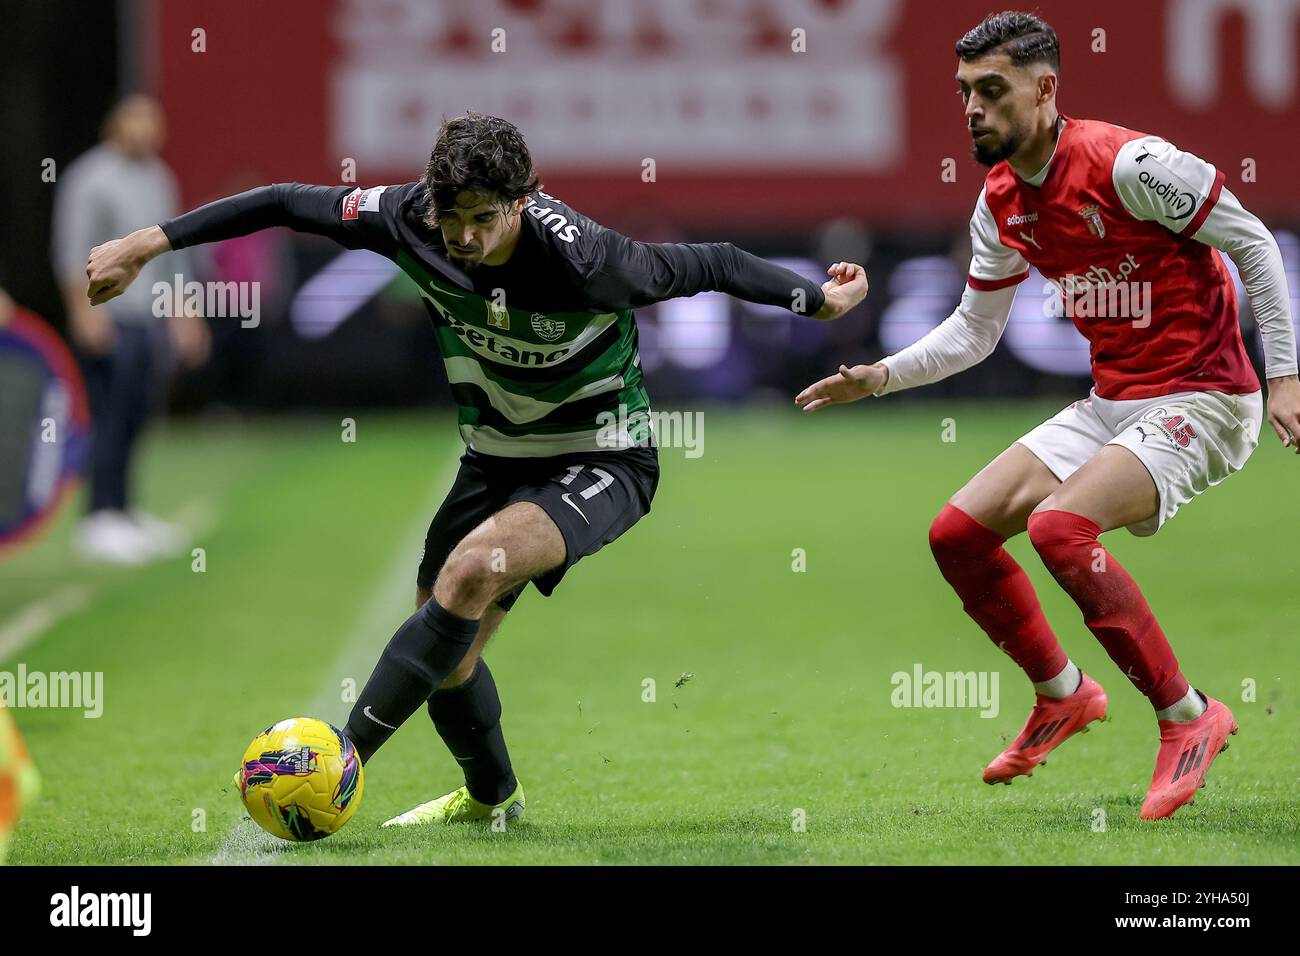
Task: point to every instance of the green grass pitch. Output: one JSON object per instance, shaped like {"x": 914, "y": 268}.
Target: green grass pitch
{"x": 310, "y": 555}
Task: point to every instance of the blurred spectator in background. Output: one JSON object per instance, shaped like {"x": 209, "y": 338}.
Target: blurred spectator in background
{"x": 115, "y": 188}
{"x": 6, "y": 307}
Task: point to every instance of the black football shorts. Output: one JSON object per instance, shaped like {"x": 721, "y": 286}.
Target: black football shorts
{"x": 593, "y": 497}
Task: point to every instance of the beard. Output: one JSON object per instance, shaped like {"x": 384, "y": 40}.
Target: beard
{"x": 988, "y": 153}
{"x": 463, "y": 260}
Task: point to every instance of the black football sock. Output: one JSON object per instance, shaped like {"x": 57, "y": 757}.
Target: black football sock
{"x": 420, "y": 656}
{"x": 468, "y": 719}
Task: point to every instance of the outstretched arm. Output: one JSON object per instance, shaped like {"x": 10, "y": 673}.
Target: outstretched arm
{"x": 333, "y": 211}
{"x": 1248, "y": 243}
{"x": 965, "y": 338}
{"x": 632, "y": 274}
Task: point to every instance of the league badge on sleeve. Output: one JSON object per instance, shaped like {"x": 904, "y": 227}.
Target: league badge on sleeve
{"x": 362, "y": 200}
{"x": 352, "y": 204}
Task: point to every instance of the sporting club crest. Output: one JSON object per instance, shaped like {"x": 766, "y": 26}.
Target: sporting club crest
{"x": 547, "y": 329}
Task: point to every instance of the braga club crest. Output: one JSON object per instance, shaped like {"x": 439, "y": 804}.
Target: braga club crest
{"x": 1092, "y": 213}
{"x": 547, "y": 329}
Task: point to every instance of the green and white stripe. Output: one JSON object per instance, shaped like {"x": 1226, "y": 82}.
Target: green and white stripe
{"x": 529, "y": 384}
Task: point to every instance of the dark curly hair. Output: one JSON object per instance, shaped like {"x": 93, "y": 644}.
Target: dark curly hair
{"x": 1024, "y": 37}
{"x": 478, "y": 153}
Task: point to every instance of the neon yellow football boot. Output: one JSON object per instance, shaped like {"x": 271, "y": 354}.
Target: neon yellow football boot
{"x": 459, "y": 807}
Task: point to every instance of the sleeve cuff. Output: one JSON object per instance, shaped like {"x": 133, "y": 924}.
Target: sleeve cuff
{"x": 818, "y": 298}
{"x": 169, "y": 230}
{"x": 992, "y": 285}
{"x": 892, "y": 383}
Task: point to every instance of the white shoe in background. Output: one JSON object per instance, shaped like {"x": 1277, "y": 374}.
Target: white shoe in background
{"x": 111, "y": 537}
{"x": 165, "y": 539}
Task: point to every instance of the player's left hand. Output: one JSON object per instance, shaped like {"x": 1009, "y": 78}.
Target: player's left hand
{"x": 846, "y": 287}
{"x": 1284, "y": 409}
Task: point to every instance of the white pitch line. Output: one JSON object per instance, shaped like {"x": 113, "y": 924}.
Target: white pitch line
{"x": 391, "y": 600}
{"x": 33, "y": 620}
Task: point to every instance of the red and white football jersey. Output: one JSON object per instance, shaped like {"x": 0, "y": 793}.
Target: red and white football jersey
{"x": 1117, "y": 206}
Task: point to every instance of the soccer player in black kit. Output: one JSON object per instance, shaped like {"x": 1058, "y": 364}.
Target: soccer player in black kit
{"x": 532, "y": 306}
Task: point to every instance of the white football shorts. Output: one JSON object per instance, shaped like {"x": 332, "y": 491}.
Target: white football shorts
{"x": 1188, "y": 441}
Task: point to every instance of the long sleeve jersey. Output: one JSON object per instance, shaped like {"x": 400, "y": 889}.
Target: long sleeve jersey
{"x": 541, "y": 352}
{"x": 1130, "y": 229}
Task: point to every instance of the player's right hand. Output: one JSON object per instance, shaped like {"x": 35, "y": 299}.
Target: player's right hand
{"x": 113, "y": 266}
{"x": 848, "y": 386}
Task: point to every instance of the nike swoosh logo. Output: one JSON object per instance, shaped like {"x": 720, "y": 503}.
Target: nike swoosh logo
{"x": 437, "y": 288}
{"x": 568, "y": 501}
{"x": 366, "y": 710}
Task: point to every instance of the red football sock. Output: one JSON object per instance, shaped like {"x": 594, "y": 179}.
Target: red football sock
{"x": 995, "y": 592}
{"x": 1112, "y": 604}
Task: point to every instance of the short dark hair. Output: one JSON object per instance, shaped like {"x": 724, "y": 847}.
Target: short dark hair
{"x": 1024, "y": 37}
{"x": 478, "y": 153}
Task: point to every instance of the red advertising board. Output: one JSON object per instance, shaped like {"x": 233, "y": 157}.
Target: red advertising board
{"x": 744, "y": 112}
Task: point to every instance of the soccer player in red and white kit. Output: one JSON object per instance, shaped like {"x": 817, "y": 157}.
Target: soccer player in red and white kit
{"x": 1175, "y": 408}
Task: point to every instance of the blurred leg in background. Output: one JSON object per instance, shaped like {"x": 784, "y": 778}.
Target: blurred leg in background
{"x": 122, "y": 385}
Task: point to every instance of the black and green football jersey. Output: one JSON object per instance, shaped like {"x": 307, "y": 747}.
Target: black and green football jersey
{"x": 541, "y": 352}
